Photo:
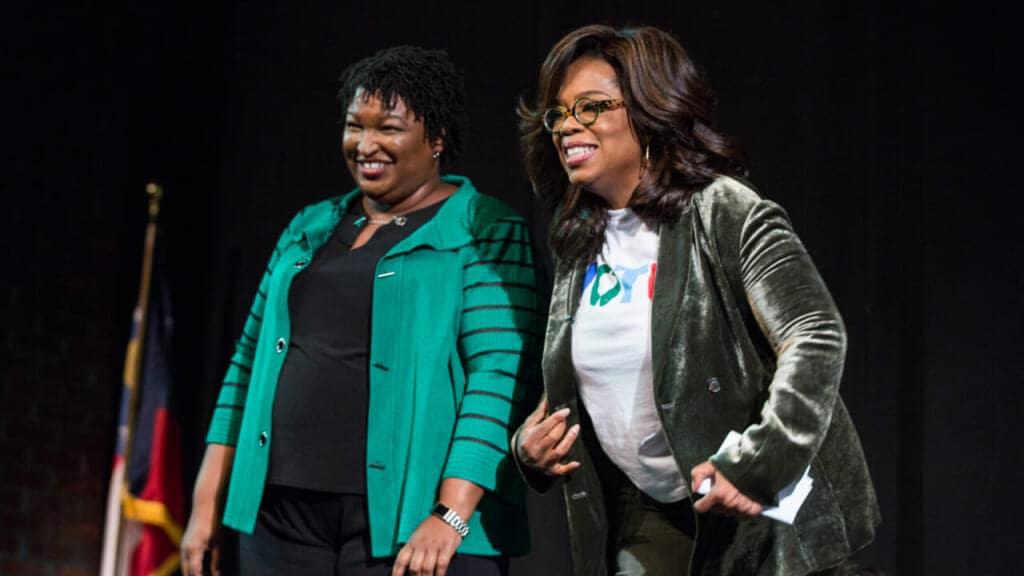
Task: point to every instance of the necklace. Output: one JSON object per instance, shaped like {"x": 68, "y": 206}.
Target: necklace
{"x": 363, "y": 220}
{"x": 397, "y": 219}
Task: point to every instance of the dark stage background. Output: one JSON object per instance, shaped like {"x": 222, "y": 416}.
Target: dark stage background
{"x": 888, "y": 131}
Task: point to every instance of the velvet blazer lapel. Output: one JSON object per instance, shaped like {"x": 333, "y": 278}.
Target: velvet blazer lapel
{"x": 559, "y": 375}
{"x": 672, "y": 275}
{"x": 674, "y": 264}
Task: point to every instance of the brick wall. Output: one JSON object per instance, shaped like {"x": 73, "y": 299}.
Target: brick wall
{"x": 56, "y": 433}
{"x": 65, "y": 318}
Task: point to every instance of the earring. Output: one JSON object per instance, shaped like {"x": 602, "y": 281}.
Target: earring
{"x": 646, "y": 159}
{"x": 436, "y": 154}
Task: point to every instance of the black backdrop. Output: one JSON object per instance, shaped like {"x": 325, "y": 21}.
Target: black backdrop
{"x": 887, "y": 131}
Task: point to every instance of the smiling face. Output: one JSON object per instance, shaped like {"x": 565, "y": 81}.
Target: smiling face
{"x": 604, "y": 157}
{"x": 387, "y": 150}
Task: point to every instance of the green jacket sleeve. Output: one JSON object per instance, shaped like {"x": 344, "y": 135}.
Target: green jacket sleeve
{"x": 501, "y": 330}
{"x": 798, "y": 318}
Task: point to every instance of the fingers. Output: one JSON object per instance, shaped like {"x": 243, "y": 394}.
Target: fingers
{"x": 742, "y": 505}
{"x": 214, "y": 561}
{"x": 186, "y": 563}
{"x": 418, "y": 562}
{"x": 724, "y": 497}
{"x": 543, "y": 447}
{"x": 554, "y": 434}
{"x": 422, "y": 561}
{"x": 444, "y": 559}
{"x": 558, "y": 469}
{"x": 543, "y": 441}
{"x": 538, "y": 438}
{"x": 699, "y": 472}
{"x": 563, "y": 446}
{"x": 429, "y": 550}
{"x": 429, "y": 563}
{"x": 538, "y": 414}
{"x": 749, "y": 507}
{"x": 550, "y": 427}
{"x": 731, "y": 501}
{"x": 402, "y": 561}
{"x": 706, "y": 503}
{"x": 191, "y": 561}
{"x": 731, "y": 506}
{"x": 712, "y": 499}
{"x": 553, "y": 458}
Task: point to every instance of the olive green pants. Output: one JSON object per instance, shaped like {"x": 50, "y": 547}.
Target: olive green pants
{"x": 650, "y": 538}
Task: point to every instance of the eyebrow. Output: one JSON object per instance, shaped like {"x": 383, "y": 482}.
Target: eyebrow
{"x": 392, "y": 114}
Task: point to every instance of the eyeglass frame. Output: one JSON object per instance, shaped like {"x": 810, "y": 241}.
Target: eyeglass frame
{"x": 602, "y": 106}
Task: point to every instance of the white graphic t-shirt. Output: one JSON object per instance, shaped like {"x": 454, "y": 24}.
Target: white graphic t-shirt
{"x": 611, "y": 352}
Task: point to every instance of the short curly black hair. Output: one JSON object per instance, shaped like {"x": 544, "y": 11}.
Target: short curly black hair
{"x": 426, "y": 80}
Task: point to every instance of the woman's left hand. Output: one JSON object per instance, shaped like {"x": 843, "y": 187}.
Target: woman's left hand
{"x": 429, "y": 550}
{"x": 431, "y": 547}
{"x": 724, "y": 497}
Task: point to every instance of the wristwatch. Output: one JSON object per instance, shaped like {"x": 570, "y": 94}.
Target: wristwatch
{"x": 451, "y": 518}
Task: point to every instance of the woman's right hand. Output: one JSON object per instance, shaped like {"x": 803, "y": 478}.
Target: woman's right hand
{"x": 543, "y": 440}
{"x": 201, "y": 534}
{"x": 203, "y": 530}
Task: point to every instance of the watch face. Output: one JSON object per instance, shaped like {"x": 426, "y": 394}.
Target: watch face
{"x": 451, "y": 518}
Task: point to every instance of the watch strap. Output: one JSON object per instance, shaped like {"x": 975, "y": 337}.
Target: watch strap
{"x": 451, "y": 518}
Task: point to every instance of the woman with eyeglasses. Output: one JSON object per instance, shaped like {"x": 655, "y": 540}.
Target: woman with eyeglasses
{"x": 362, "y": 427}
{"x": 684, "y": 308}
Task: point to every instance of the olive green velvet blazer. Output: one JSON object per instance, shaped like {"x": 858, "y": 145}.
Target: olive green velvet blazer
{"x": 745, "y": 337}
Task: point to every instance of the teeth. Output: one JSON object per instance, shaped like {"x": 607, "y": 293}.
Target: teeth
{"x": 577, "y": 150}
{"x": 372, "y": 165}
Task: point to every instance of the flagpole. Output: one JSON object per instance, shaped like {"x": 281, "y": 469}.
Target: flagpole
{"x": 133, "y": 364}
{"x": 113, "y": 559}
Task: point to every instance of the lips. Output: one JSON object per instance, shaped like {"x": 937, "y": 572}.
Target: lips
{"x": 577, "y": 153}
{"x": 371, "y": 169}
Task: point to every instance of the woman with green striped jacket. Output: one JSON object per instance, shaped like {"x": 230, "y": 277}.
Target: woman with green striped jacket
{"x": 363, "y": 424}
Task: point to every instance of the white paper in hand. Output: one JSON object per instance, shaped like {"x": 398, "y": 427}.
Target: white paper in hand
{"x": 790, "y": 498}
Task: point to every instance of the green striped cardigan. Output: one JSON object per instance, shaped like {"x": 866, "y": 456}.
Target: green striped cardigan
{"x": 457, "y": 326}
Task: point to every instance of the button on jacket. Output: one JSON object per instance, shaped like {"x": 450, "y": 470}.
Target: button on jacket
{"x": 456, "y": 328}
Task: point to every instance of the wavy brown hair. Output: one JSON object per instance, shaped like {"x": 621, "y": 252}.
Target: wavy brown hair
{"x": 671, "y": 107}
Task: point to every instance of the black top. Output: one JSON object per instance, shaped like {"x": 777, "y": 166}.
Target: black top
{"x": 320, "y": 410}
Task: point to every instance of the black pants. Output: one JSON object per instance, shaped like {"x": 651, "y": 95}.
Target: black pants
{"x": 319, "y": 533}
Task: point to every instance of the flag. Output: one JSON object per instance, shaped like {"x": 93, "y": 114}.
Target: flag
{"x": 145, "y": 502}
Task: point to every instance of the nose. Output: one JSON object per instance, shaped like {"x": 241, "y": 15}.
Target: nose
{"x": 366, "y": 143}
{"x": 570, "y": 125}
